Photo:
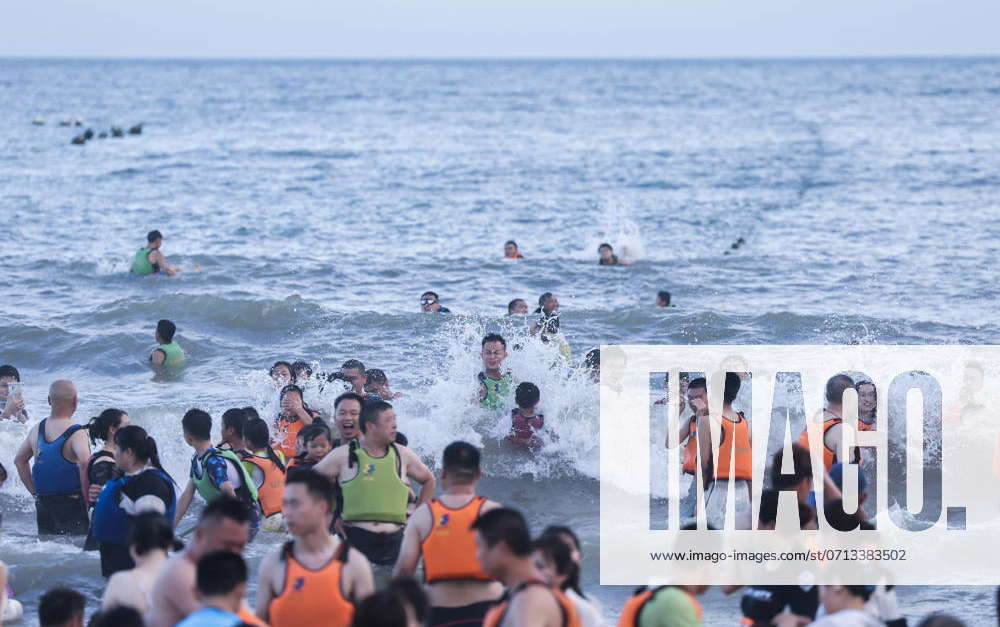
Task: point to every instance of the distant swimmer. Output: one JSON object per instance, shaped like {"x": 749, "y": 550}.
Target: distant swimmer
{"x": 440, "y": 533}
{"x": 735, "y": 245}
{"x": 150, "y": 260}
{"x": 735, "y": 461}
{"x": 214, "y": 472}
{"x": 663, "y": 299}
{"x": 429, "y": 303}
{"x": 371, "y": 479}
{"x": 525, "y": 421}
{"x": 494, "y": 384}
{"x": 547, "y": 327}
{"x": 11, "y": 399}
{"x": 377, "y": 384}
{"x": 167, "y": 354}
{"x": 61, "y": 450}
{"x": 143, "y": 486}
{"x": 510, "y": 250}
{"x": 503, "y": 548}
{"x": 592, "y": 363}
{"x": 316, "y": 574}
{"x": 608, "y": 256}
{"x": 517, "y": 306}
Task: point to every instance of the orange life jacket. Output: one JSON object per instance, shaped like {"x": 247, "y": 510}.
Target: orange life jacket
{"x": 633, "y": 607}
{"x": 290, "y": 431}
{"x": 312, "y": 597}
{"x": 829, "y": 456}
{"x": 250, "y": 618}
{"x": 494, "y": 617}
{"x": 271, "y": 491}
{"x": 735, "y": 434}
{"x": 691, "y": 448}
{"x": 450, "y": 549}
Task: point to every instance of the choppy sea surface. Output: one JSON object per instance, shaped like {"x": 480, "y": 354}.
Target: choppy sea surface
{"x": 319, "y": 199}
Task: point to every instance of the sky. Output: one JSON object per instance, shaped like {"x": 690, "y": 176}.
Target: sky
{"x": 498, "y": 29}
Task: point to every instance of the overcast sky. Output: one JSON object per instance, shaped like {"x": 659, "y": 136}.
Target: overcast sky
{"x": 494, "y": 28}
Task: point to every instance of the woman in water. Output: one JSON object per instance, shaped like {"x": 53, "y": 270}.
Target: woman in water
{"x": 102, "y": 468}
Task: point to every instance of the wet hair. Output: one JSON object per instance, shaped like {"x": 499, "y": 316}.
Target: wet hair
{"x": 291, "y": 387}
{"x": 801, "y": 468}
{"x": 494, "y": 337}
{"x": 542, "y": 300}
{"x": 225, "y": 506}
{"x": 384, "y": 608}
{"x": 557, "y": 551}
{"x": 318, "y": 486}
{"x": 506, "y": 525}
{"x": 58, "y": 606}
{"x": 235, "y": 419}
{"x": 134, "y": 438}
{"x": 376, "y": 376}
{"x": 117, "y": 616}
{"x": 664, "y": 295}
{"x": 461, "y": 461}
{"x": 315, "y": 430}
{"x": 593, "y": 359}
{"x": 198, "y": 424}
{"x": 153, "y": 235}
{"x": 559, "y": 531}
{"x": 166, "y": 329}
{"x": 251, "y": 413}
{"x": 300, "y": 367}
{"x": 513, "y": 304}
{"x": 220, "y": 573}
{"x": 348, "y": 396}
{"x": 8, "y": 370}
{"x": 371, "y": 411}
{"x": 732, "y": 387}
{"x": 274, "y": 367}
{"x": 258, "y": 436}
{"x": 510, "y": 241}
{"x": 526, "y": 395}
{"x": 100, "y": 425}
{"x": 150, "y": 531}
{"x": 605, "y": 245}
{"x": 835, "y": 387}
{"x": 412, "y": 593}
{"x": 433, "y": 294}
{"x": 353, "y": 364}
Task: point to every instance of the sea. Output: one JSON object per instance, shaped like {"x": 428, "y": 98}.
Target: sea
{"x": 310, "y": 203}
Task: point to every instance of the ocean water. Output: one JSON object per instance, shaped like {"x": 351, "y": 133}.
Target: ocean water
{"x": 319, "y": 199}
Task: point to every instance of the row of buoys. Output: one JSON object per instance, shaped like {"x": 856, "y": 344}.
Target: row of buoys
{"x": 116, "y": 131}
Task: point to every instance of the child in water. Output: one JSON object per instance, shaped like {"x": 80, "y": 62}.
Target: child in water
{"x": 317, "y": 441}
{"x": 525, "y": 421}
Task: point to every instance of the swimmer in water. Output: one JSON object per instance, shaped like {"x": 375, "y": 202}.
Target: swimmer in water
{"x": 378, "y": 385}
{"x": 525, "y": 421}
{"x": 494, "y": 385}
{"x": 517, "y": 306}
{"x": 429, "y": 303}
{"x": 302, "y": 372}
{"x": 168, "y": 354}
{"x": 281, "y": 373}
{"x": 510, "y": 250}
{"x": 548, "y": 324}
{"x": 608, "y": 256}
{"x": 355, "y": 371}
{"x": 663, "y": 299}
{"x": 150, "y": 260}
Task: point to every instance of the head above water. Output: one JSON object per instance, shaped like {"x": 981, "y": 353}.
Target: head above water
{"x": 547, "y": 303}
{"x": 165, "y": 330}
{"x": 281, "y": 372}
{"x": 301, "y": 371}
{"x": 605, "y": 250}
{"x": 527, "y": 395}
{"x": 460, "y": 464}
{"x": 517, "y": 306}
{"x": 430, "y": 301}
{"x": 663, "y": 298}
{"x": 154, "y": 238}
{"x": 510, "y": 248}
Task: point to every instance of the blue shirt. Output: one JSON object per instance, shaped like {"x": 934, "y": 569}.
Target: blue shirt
{"x": 210, "y": 617}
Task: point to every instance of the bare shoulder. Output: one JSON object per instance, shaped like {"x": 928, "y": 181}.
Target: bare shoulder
{"x": 489, "y": 506}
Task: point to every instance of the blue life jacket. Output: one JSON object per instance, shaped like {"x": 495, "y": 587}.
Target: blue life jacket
{"x": 52, "y": 473}
{"x": 110, "y": 522}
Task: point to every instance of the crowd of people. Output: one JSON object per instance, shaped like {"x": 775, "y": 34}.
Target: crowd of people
{"x": 364, "y": 514}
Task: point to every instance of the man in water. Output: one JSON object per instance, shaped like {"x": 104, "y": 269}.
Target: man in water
{"x": 347, "y": 417}
{"x": 735, "y": 460}
{"x": 833, "y": 422}
{"x": 517, "y": 306}
{"x": 61, "y": 451}
{"x": 294, "y": 584}
{"x": 608, "y": 256}
{"x": 510, "y": 250}
{"x": 503, "y": 549}
{"x": 494, "y": 385}
{"x": 149, "y": 259}
{"x": 663, "y": 298}
{"x": 221, "y": 581}
{"x": 370, "y": 475}
{"x": 355, "y": 371}
{"x": 224, "y": 526}
{"x": 11, "y": 399}
{"x": 167, "y": 354}
{"x": 440, "y": 532}
{"x": 429, "y": 303}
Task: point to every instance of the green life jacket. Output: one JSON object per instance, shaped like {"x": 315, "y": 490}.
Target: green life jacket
{"x": 172, "y": 354}
{"x": 496, "y": 390}
{"x": 377, "y": 493}
{"x": 208, "y": 491}
{"x": 140, "y": 263}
